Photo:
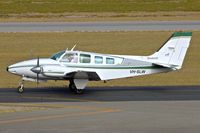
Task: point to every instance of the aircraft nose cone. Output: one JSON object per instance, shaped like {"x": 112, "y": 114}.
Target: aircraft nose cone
{"x": 11, "y": 70}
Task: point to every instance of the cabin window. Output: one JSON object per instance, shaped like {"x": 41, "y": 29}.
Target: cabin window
{"x": 118, "y": 60}
{"x": 85, "y": 58}
{"x": 110, "y": 61}
{"x": 98, "y": 60}
{"x": 70, "y": 58}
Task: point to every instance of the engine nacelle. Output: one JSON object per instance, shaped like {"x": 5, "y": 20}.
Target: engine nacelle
{"x": 32, "y": 79}
{"x": 55, "y": 71}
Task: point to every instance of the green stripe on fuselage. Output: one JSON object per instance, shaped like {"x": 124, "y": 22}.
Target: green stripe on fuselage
{"x": 118, "y": 67}
{"x": 106, "y": 67}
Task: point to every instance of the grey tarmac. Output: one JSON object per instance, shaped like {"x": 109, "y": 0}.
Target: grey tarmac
{"x": 103, "y": 109}
{"x": 99, "y": 26}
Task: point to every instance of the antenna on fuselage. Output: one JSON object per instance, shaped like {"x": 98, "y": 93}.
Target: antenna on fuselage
{"x": 73, "y": 48}
{"x": 32, "y": 54}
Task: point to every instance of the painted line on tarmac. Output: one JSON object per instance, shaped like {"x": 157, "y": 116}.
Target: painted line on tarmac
{"x": 52, "y": 106}
{"x": 58, "y": 116}
{"x": 32, "y": 105}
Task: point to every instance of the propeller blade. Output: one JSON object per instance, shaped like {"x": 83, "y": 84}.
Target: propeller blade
{"x": 38, "y": 62}
{"x": 38, "y": 65}
{"x": 37, "y": 79}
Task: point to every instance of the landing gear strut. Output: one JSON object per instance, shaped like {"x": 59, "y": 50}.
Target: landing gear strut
{"x": 20, "y": 89}
{"x": 73, "y": 88}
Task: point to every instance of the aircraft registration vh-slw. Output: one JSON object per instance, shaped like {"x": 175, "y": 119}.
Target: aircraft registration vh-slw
{"x": 80, "y": 67}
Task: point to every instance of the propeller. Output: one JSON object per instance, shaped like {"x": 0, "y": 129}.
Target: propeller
{"x": 38, "y": 65}
{"x": 37, "y": 69}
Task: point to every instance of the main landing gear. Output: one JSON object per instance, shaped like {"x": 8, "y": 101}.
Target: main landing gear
{"x": 73, "y": 88}
{"x": 20, "y": 88}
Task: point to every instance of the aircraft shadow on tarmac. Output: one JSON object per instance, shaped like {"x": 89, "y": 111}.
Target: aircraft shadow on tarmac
{"x": 101, "y": 94}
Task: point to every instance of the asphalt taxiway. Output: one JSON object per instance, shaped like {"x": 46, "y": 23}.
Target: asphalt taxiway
{"x": 102, "y": 94}
{"x": 103, "y": 109}
{"x": 99, "y": 26}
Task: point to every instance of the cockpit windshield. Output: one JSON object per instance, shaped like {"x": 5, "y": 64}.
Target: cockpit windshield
{"x": 57, "y": 55}
{"x": 70, "y": 58}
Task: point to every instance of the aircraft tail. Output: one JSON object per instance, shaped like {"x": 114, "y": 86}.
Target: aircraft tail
{"x": 173, "y": 51}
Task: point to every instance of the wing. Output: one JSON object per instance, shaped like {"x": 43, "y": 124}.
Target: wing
{"x": 92, "y": 76}
{"x": 66, "y": 73}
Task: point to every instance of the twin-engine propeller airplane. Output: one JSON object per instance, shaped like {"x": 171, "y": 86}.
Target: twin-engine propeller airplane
{"x": 80, "y": 67}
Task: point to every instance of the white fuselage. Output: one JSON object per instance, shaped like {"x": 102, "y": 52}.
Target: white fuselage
{"x": 105, "y": 67}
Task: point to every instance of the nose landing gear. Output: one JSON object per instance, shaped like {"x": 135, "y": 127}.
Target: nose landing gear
{"x": 20, "y": 89}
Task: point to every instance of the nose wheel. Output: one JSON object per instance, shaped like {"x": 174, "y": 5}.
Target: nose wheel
{"x": 20, "y": 89}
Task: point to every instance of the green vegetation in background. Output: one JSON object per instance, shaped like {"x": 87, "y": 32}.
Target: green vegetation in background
{"x": 61, "y": 6}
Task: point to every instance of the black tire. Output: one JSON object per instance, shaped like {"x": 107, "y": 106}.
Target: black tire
{"x": 20, "y": 89}
{"x": 72, "y": 87}
{"x": 79, "y": 91}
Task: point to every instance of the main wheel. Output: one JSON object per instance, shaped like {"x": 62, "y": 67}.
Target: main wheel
{"x": 20, "y": 89}
{"x": 72, "y": 87}
{"x": 79, "y": 91}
